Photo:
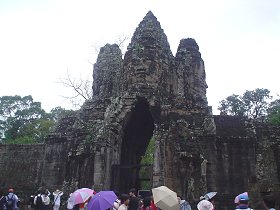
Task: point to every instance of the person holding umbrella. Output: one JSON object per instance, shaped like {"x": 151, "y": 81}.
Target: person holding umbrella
{"x": 78, "y": 197}
{"x": 102, "y": 200}
{"x": 134, "y": 201}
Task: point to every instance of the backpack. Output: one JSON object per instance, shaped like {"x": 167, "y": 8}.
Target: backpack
{"x": 10, "y": 202}
{"x": 39, "y": 201}
{"x": 31, "y": 201}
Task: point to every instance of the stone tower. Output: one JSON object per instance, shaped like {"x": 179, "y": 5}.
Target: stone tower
{"x": 150, "y": 94}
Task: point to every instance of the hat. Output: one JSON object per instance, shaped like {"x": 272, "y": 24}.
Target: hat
{"x": 11, "y": 190}
{"x": 243, "y": 196}
{"x": 205, "y": 205}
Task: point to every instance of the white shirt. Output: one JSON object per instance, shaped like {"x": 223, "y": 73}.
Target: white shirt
{"x": 15, "y": 198}
{"x": 122, "y": 207}
{"x": 46, "y": 199}
{"x": 56, "y": 198}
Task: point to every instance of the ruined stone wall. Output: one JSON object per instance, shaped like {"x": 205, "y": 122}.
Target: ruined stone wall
{"x": 55, "y": 163}
{"x": 268, "y": 158}
{"x": 21, "y": 167}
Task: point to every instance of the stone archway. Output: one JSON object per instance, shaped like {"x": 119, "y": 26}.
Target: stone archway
{"x": 137, "y": 132}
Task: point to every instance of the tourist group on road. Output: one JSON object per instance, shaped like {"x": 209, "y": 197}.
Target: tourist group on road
{"x": 161, "y": 198}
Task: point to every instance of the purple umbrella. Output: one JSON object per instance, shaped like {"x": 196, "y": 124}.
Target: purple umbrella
{"x": 102, "y": 200}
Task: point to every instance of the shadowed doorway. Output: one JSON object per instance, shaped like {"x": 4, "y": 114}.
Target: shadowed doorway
{"x": 137, "y": 133}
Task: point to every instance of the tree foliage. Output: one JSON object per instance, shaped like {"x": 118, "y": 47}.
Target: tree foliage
{"x": 252, "y": 104}
{"x": 22, "y": 120}
{"x": 147, "y": 159}
{"x": 274, "y": 112}
{"x": 256, "y": 102}
{"x": 232, "y": 105}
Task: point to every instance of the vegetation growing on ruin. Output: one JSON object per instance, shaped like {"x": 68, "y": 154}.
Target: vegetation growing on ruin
{"x": 147, "y": 159}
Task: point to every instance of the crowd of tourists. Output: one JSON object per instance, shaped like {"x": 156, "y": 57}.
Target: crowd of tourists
{"x": 39, "y": 201}
{"x": 44, "y": 200}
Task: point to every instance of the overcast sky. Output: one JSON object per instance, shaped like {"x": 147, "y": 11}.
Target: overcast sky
{"x": 41, "y": 39}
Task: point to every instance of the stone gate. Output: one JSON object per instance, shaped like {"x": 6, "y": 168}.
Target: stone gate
{"x": 152, "y": 94}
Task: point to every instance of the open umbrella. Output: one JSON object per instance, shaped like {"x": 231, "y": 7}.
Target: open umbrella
{"x": 165, "y": 198}
{"x": 102, "y": 200}
{"x": 79, "y": 196}
{"x": 209, "y": 195}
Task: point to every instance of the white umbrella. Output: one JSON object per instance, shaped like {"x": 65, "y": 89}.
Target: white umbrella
{"x": 210, "y": 195}
{"x": 165, "y": 198}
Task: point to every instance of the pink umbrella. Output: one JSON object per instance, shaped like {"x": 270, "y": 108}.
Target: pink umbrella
{"x": 79, "y": 196}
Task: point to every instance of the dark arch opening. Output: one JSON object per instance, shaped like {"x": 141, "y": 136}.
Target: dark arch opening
{"x": 137, "y": 133}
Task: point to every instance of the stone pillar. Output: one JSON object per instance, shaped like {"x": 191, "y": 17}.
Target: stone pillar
{"x": 98, "y": 170}
{"x": 158, "y": 169}
{"x": 107, "y": 174}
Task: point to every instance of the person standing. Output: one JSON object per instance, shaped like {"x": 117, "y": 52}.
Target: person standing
{"x": 2, "y": 201}
{"x": 184, "y": 205}
{"x": 117, "y": 202}
{"x": 38, "y": 203}
{"x": 46, "y": 200}
{"x": 56, "y": 199}
{"x": 205, "y": 205}
{"x": 134, "y": 202}
{"x": 42, "y": 201}
{"x": 146, "y": 204}
{"x": 243, "y": 202}
{"x": 11, "y": 200}
{"x": 124, "y": 202}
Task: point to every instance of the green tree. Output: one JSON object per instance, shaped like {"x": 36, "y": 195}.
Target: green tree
{"x": 15, "y": 111}
{"x": 24, "y": 121}
{"x": 59, "y": 112}
{"x": 252, "y": 104}
{"x": 256, "y": 102}
{"x": 232, "y": 105}
{"x": 274, "y": 112}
